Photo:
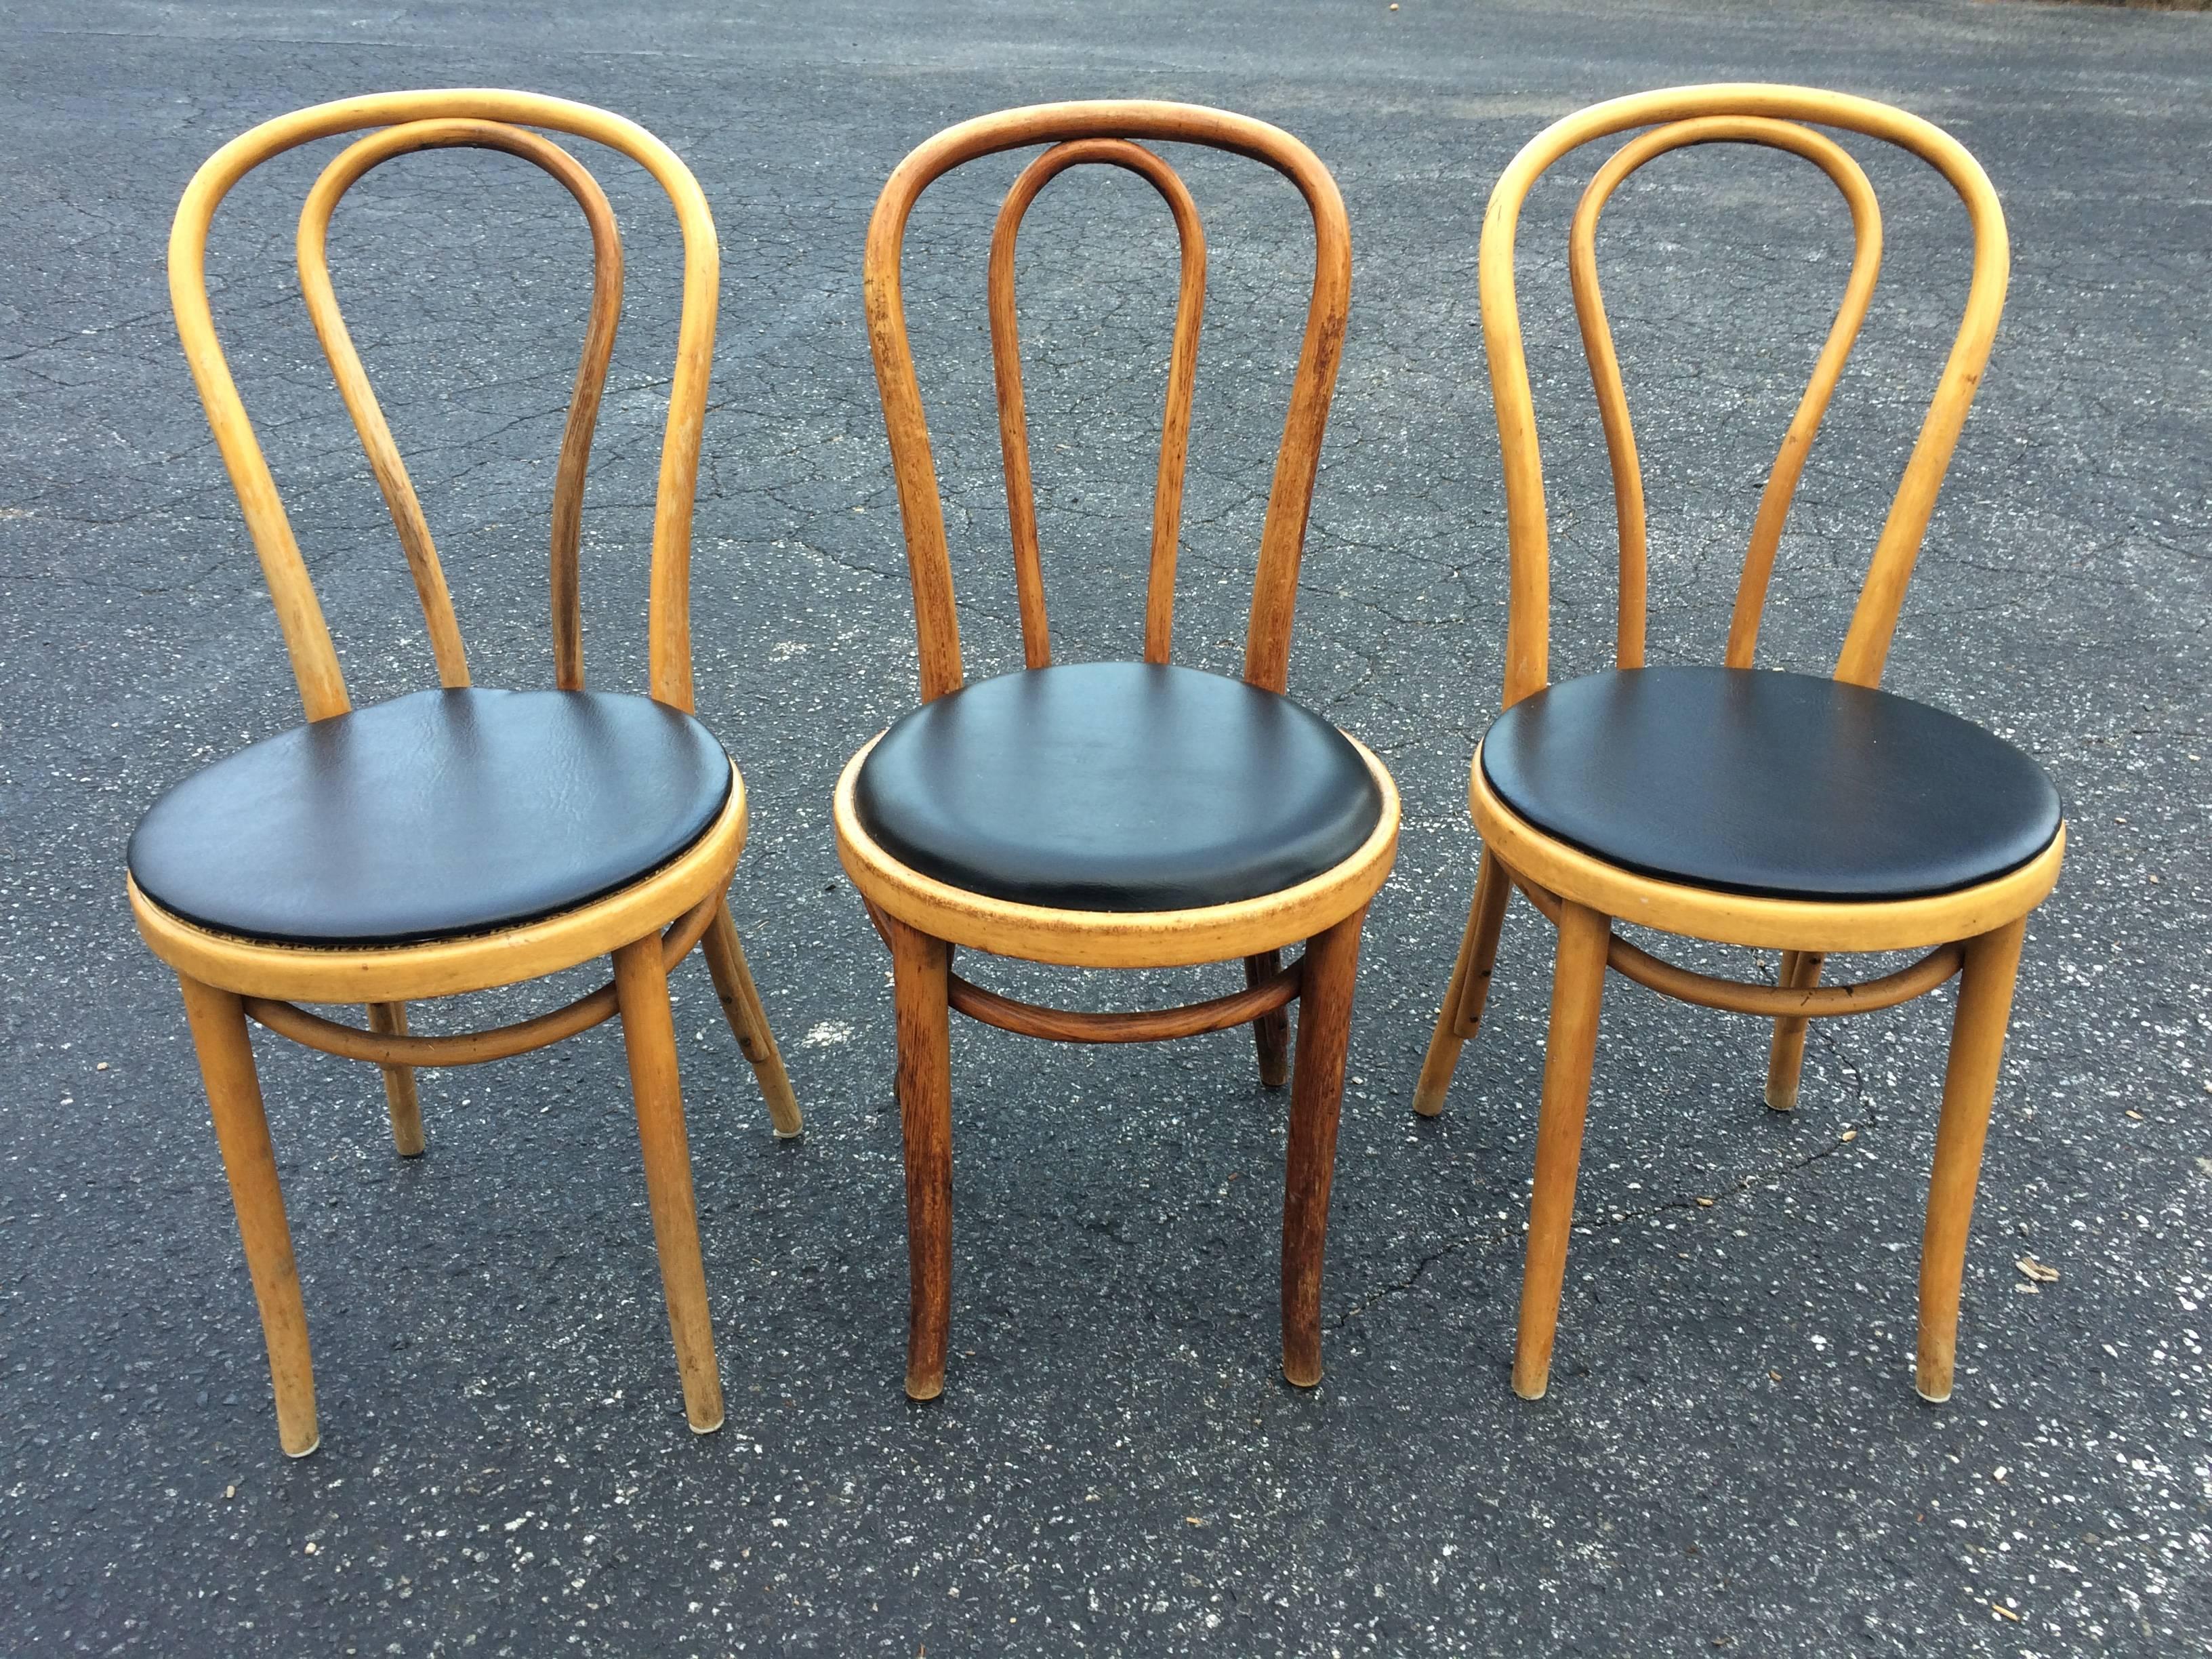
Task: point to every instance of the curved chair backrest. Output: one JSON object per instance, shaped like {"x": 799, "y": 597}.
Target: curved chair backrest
{"x": 410, "y": 121}
{"x": 1768, "y": 115}
{"x": 1104, "y": 132}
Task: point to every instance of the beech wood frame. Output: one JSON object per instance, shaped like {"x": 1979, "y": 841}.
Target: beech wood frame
{"x": 647, "y": 927}
{"x": 1975, "y": 932}
{"x": 923, "y": 919}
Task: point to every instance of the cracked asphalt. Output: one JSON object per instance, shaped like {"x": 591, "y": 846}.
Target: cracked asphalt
{"x": 1732, "y": 1458}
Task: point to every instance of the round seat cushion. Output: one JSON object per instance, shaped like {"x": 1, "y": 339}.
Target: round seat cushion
{"x": 435, "y": 814}
{"x": 1116, "y": 786}
{"x": 1787, "y": 786}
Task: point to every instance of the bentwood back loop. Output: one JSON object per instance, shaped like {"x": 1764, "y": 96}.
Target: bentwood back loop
{"x": 1755, "y": 114}
{"x": 1112, "y": 133}
{"x": 1182, "y": 377}
{"x": 412, "y": 121}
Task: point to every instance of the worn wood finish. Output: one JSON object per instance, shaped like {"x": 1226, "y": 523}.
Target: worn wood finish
{"x": 1488, "y": 911}
{"x": 1970, "y": 1081}
{"x": 1469, "y": 989}
{"x": 392, "y": 1047}
{"x": 1282, "y": 539}
{"x": 389, "y": 1019}
{"x": 923, "y": 919}
{"x": 649, "y": 1039}
{"x": 1332, "y": 965}
{"x": 1266, "y": 998}
{"x": 1255, "y": 1003}
{"x": 1785, "y": 1052}
{"x": 241, "y": 1130}
{"x": 1271, "y": 1031}
{"x": 647, "y": 927}
{"x": 1183, "y": 376}
{"x": 742, "y": 1007}
{"x": 1580, "y": 892}
{"x": 391, "y": 474}
{"x": 921, "y": 968}
{"x": 1570, "y": 1048}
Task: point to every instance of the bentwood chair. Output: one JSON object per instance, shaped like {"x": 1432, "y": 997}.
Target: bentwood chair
{"x": 1783, "y": 811}
{"x": 454, "y": 839}
{"x": 1114, "y": 814}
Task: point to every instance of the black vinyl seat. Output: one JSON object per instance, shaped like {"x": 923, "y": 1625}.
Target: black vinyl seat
{"x": 1786, "y": 785}
{"x": 1117, "y": 786}
{"x": 435, "y": 814}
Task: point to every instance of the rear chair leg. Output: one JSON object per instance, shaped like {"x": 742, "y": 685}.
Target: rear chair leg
{"x": 241, "y": 1129}
{"x": 389, "y": 1019}
{"x": 1785, "y": 1055}
{"x": 1271, "y": 1031}
{"x": 741, "y": 1005}
{"x": 1470, "y": 985}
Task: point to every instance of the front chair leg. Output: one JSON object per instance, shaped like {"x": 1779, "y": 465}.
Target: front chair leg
{"x": 741, "y": 1005}
{"x": 1332, "y": 964}
{"x": 1271, "y": 1032}
{"x": 1470, "y": 985}
{"x": 920, "y": 970}
{"x": 1970, "y": 1083}
{"x": 241, "y": 1129}
{"x": 389, "y": 1019}
{"x": 1570, "y": 1048}
{"x": 649, "y": 1035}
{"x": 1785, "y": 1054}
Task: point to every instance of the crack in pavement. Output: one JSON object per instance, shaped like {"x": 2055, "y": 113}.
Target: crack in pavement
{"x": 1768, "y": 1179}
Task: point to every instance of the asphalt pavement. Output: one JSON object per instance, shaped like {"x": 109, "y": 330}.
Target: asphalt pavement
{"x": 1732, "y": 1458}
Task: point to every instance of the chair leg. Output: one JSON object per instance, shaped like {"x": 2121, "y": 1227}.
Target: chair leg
{"x": 241, "y": 1129}
{"x": 741, "y": 1005}
{"x": 649, "y": 1035}
{"x": 1470, "y": 985}
{"x": 1785, "y": 1054}
{"x": 1271, "y": 1031}
{"x": 1570, "y": 1048}
{"x": 1970, "y": 1081}
{"x": 920, "y": 969}
{"x": 1316, "y": 1095}
{"x": 389, "y": 1019}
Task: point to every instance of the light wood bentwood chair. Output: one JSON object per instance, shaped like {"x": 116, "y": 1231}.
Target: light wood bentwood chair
{"x": 1783, "y": 811}
{"x": 1114, "y": 814}
{"x": 454, "y": 839}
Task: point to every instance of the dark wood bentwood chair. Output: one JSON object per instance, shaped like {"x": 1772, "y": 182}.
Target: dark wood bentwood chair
{"x": 1783, "y": 811}
{"x": 463, "y": 838}
{"x": 1114, "y": 814}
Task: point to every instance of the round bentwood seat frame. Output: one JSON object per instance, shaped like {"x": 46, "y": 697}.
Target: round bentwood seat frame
{"x": 924, "y": 919}
{"x": 1972, "y": 930}
{"x": 1124, "y": 938}
{"x": 650, "y": 922}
